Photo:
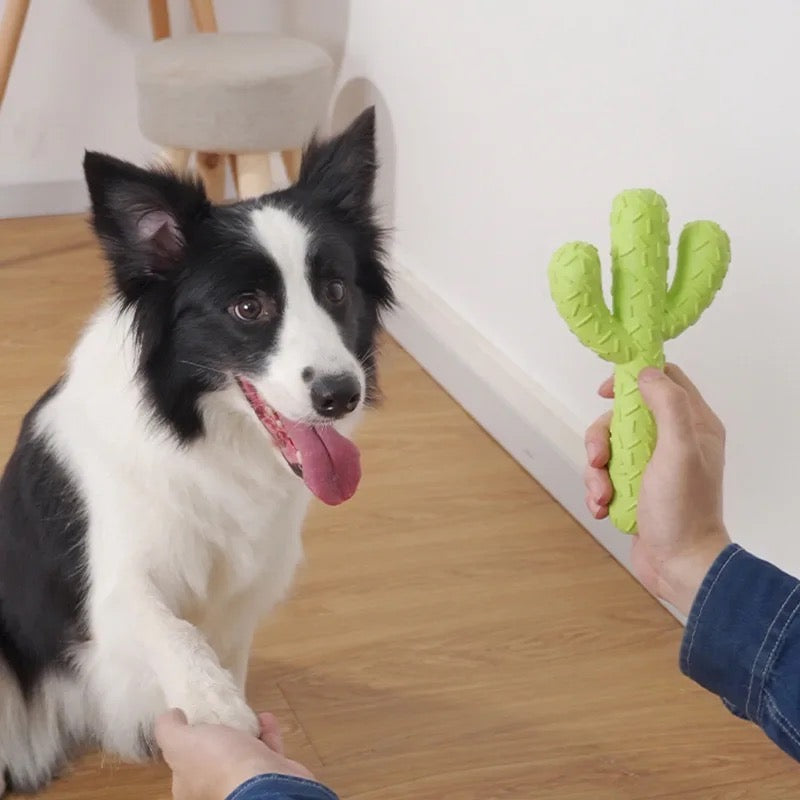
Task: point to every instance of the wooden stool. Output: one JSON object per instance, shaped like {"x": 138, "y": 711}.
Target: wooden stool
{"x": 236, "y": 97}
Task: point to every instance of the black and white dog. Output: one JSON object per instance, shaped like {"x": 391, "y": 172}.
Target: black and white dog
{"x": 150, "y": 514}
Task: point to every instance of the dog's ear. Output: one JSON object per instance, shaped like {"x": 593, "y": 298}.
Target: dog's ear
{"x": 341, "y": 171}
{"x": 142, "y": 218}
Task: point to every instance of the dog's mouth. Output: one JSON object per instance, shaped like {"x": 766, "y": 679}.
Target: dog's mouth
{"x": 328, "y": 462}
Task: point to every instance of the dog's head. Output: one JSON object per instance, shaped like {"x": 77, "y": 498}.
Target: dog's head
{"x": 273, "y": 303}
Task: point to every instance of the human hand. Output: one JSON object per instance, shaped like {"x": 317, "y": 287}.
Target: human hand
{"x": 209, "y": 761}
{"x": 680, "y": 521}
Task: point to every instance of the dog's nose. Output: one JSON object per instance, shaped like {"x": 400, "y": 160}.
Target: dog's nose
{"x": 335, "y": 396}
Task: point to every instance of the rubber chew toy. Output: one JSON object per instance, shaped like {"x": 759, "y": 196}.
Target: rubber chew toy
{"x": 645, "y": 314}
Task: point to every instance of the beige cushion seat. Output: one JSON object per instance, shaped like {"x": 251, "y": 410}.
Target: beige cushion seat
{"x": 232, "y": 92}
{"x": 233, "y": 98}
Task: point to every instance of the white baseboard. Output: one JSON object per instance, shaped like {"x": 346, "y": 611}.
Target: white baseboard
{"x": 41, "y": 199}
{"x": 520, "y": 415}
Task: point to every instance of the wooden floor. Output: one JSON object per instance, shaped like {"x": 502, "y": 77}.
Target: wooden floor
{"x": 454, "y": 633}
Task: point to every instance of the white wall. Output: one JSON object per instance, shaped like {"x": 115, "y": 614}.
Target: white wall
{"x": 507, "y": 127}
{"x": 517, "y": 122}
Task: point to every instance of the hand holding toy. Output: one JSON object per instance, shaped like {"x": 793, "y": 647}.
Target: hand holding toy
{"x": 645, "y": 314}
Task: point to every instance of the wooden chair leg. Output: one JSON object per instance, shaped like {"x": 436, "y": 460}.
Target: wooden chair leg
{"x": 205, "y": 19}
{"x": 211, "y": 168}
{"x": 234, "y": 171}
{"x": 291, "y": 160}
{"x": 254, "y": 175}
{"x": 176, "y": 158}
{"x": 159, "y": 19}
{"x": 10, "y": 34}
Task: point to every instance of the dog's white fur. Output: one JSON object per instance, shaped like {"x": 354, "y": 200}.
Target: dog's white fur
{"x": 188, "y": 546}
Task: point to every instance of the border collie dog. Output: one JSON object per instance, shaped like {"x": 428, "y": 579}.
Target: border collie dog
{"x": 150, "y": 514}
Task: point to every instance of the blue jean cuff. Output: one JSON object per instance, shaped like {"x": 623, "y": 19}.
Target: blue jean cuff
{"x": 281, "y": 787}
{"x": 736, "y": 627}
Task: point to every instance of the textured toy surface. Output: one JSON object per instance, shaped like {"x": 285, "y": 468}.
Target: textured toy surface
{"x": 644, "y": 314}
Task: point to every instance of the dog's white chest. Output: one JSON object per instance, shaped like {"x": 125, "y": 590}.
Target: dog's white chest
{"x": 237, "y": 528}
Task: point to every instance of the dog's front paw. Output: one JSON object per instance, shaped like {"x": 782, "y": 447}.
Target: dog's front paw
{"x": 220, "y": 705}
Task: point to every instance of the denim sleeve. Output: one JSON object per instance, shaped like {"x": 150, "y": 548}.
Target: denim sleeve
{"x": 281, "y": 787}
{"x": 742, "y": 642}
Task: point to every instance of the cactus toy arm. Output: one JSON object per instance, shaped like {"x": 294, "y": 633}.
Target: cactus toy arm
{"x": 704, "y": 253}
{"x": 644, "y": 315}
{"x": 577, "y": 290}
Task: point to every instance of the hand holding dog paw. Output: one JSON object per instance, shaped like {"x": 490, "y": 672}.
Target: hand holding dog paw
{"x": 221, "y": 706}
{"x": 209, "y": 761}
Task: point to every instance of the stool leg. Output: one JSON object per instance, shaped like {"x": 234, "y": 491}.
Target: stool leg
{"x": 10, "y": 33}
{"x": 176, "y": 158}
{"x": 205, "y": 19}
{"x": 211, "y": 168}
{"x": 234, "y": 171}
{"x": 291, "y": 160}
{"x": 159, "y": 19}
{"x": 254, "y": 176}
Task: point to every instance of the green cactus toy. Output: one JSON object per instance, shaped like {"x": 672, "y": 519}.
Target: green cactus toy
{"x": 645, "y": 314}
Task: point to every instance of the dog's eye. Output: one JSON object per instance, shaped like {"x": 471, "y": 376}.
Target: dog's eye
{"x": 335, "y": 292}
{"x": 252, "y": 308}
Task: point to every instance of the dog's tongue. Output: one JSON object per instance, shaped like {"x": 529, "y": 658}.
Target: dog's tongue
{"x": 331, "y": 463}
